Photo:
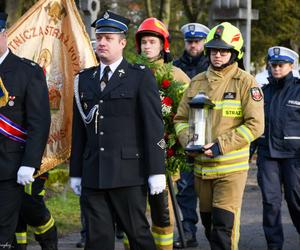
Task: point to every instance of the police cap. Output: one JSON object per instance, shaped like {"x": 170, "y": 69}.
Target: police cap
{"x": 3, "y": 17}
{"x": 282, "y": 55}
{"x": 194, "y": 31}
{"x": 110, "y": 22}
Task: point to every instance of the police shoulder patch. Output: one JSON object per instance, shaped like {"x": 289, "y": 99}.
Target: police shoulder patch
{"x": 256, "y": 94}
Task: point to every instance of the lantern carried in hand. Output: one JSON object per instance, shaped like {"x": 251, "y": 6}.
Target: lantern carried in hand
{"x": 200, "y": 122}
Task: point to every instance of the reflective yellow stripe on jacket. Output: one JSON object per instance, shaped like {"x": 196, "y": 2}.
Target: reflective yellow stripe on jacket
{"x": 21, "y": 238}
{"x": 246, "y": 133}
{"x": 181, "y": 126}
{"x": 233, "y": 161}
{"x": 230, "y": 108}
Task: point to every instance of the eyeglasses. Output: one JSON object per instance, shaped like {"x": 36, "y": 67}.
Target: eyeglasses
{"x": 223, "y": 52}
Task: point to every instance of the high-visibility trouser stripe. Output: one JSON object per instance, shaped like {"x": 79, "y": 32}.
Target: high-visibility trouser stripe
{"x": 246, "y": 133}
{"x": 42, "y": 193}
{"x": 28, "y": 188}
{"x": 181, "y": 126}
{"x": 227, "y": 104}
{"x": 126, "y": 242}
{"x": 163, "y": 239}
{"x": 236, "y": 228}
{"x": 44, "y": 228}
{"x": 21, "y": 238}
{"x": 200, "y": 169}
{"x": 236, "y": 154}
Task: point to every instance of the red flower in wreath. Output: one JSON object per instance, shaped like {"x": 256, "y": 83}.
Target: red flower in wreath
{"x": 170, "y": 152}
{"x": 165, "y": 84}
{"x": 168, "y": 101}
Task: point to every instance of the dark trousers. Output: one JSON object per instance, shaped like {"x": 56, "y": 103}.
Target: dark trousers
{"x": 128, "y": 204}
{"x": 187, "y": 201}
{"x": 273, "y": 175}
{"x": 11, "y": 195}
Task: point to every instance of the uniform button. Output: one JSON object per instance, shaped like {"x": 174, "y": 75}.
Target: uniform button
{"x": 101, "y": 149}
{"x": 101, "y": 116}
{"x": 101, "y": 133}
{"x": 101, "y": 101}
{"x": 137, "y": 155}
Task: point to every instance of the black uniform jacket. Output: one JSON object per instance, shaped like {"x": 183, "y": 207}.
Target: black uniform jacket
{"x": 123, "y": 144}
{"x": 26, "y": 84}
{"x": 281, "y": 138}
{"x": 192, "y": 65}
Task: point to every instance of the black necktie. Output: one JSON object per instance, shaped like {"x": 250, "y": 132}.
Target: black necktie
{"x": 104, "y": 79}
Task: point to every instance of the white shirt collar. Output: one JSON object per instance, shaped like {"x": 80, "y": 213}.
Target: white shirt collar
{"x": 112, "y": 66}
{"x": 4, "y": 56}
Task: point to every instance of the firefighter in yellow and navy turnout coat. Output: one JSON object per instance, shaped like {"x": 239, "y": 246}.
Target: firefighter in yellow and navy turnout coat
{"x": 152, "y": 39}
{"x": 24, "y": 127}
{"x": 35, "y": 214}
{"x": 237, "y": 119}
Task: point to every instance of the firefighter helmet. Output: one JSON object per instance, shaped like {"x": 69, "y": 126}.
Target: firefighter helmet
{"x": 153, "y": 26}
{"x": 225, "y": 36}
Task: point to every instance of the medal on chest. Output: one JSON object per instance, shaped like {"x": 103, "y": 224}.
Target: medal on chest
{"x": 11, "y": 101}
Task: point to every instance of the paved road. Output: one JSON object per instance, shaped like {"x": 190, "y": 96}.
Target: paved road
{"x": 251, "y": 238}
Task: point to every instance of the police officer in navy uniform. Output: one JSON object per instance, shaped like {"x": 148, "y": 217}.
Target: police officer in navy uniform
{"x": 24, "y": 128}
{"x": 279, "y": 147}
{"x": 192, "y": 62}
{"x": 117, "y": 141}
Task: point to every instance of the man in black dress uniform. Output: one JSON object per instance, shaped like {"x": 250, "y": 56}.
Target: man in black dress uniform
{"x": 117, "y": 141}
{"x": 24, "y": 128}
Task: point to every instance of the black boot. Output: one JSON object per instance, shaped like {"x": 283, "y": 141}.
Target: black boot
{"x": 206, "y": 222}
{"x": 48, "y": 240}
{"x": 190, "y": 240}
{"x": 220, "y": 237}
{"x": 80, "y": 243}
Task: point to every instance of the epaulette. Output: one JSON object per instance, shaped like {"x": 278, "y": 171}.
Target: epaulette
{"x": 138, "y": 66}
{"x": 86, "y": 69}
{"x": 29, "y": 62}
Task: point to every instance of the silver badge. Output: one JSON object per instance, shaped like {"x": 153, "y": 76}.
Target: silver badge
{"x": 102, "y": 85}
{"x": 142, "y": 67}
{"x": 192, "y": 27}
{"x": 11, "y": 103}
{"x": 162, "y": 144}
{"x": 94, "y": 74}
{"x": 276, "y": 51}
{"x": 121, "y": 72}
{"x": 106, "y": 15}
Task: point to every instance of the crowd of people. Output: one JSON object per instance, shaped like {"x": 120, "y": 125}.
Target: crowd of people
{"x": 123, "y": 123}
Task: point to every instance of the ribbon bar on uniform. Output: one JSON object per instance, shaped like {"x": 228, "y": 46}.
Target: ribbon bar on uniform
{"x": 12, "y": 130}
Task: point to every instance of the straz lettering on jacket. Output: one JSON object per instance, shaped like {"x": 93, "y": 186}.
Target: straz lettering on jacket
{"x": 230, "y": 107}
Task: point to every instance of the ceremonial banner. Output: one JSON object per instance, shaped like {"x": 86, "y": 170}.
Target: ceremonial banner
{"x": 53, "y": 35}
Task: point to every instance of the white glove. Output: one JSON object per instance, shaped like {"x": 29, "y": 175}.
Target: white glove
{"x": 25, "y": 175}
{"x": 75, "y": 184}
{"x": 157, "y": 183}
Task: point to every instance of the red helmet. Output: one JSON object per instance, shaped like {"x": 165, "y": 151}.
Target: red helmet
{"x": 152, "y": 26}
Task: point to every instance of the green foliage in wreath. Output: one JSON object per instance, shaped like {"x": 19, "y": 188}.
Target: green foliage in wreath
{"x": 171, "y": 92}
